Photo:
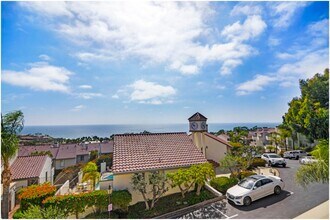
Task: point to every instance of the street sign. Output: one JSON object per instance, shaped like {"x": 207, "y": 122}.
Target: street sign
{"x": 110, "y": 207}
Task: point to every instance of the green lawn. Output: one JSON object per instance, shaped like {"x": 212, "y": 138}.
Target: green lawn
{"x": 164, "y": 205}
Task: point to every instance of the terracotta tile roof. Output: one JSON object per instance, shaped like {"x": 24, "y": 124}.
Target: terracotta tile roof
{"x": 141, "y": 152}
{"x": 27, "y": 167}
{"x": 67, "y": 151}
{"x": 107, "y": 147}
{"x": 217, "y": 139}
{"x": 25, "y": 151}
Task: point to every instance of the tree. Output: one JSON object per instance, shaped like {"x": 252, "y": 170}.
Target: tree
{"x": 139, "y": 183}
{"x": 318, "y": 171}
{"x": 309, "y": 114}
{"x": 121, "y": 198}
{"x": 183, "y": 179}
{"x": 91, "y": 173}
{"x": 93, "y": 155}
{"x": 11, "y": 124}
{"x": 157, "y": 182}
{"x": 275, "y": 139}
{"x": 200, "y": 174}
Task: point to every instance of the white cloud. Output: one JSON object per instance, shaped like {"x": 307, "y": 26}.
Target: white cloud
{"x": 319, "y": 28}
{"x": 283, "y": 12}
{"x": 115, "y": 96}
{"x": 40, "y": 76}
{"x": 153, "y": 32}
{"x": 150, "y": 92}
{"x": 89, "y": 95}
{"x": 44, "y": 57}
{"x": 257, "y": 84}
{"x": 304, "y": 65}
{"x": 78, "y": 108}
{"x": 85, "y": 86}
{"x": 272, "y": 41}
{"x": 228, "y": 65}
{"x": 246, "y": 9}
{"x": 252, "y": 27}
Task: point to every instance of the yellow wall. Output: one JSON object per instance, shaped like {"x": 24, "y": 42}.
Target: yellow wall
{"x": 123, "y": 181}
{"x": 215, "y": 150}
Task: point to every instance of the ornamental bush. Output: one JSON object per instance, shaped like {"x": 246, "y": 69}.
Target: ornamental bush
{"x": 35, "y": 194}
{"x": 241, "y": 175}
{"x": 121, "y": 199}
{"x": 77, "y": 203}
{"x": 258, "y": 162}
{"x": 222, "y": 184}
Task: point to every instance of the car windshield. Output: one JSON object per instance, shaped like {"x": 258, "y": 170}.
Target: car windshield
{"x": 247, "y": 183}
{"x": 274, "y": 156}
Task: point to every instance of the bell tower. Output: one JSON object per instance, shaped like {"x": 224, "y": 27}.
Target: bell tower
{"x": 197, "y": 125}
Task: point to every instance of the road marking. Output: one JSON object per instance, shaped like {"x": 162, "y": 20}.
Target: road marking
{"x": 227, "y": 217}
{"x": 233, "y": 216}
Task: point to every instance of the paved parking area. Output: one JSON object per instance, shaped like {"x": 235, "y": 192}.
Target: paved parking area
{"x": 215, "y": 210}
{"x": 293, "y": 201}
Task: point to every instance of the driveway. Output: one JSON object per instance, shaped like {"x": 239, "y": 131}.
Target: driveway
{"x": 293, "y": 201}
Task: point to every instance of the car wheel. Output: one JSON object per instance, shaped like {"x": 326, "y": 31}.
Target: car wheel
{"x": 284, "y": 165}
{"x": 269, "y": 164}
{"x": 277, "y": 190}
{"x": 297, "y": 157}
{"x": 247, "y": 201}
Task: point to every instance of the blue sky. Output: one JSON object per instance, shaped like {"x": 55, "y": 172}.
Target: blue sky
{"x": 158, "y": 62}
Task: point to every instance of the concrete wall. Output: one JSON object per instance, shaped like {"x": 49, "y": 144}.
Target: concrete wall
{"x": 67, "y": 163}
{"x": 47, "y": 169}
{"x": 215, "y": 150}
{"x": 123, "y": 181}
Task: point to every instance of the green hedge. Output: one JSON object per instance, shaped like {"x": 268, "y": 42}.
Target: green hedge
{"x": 77, "y": 203}
{"x": 35, "y": 194}
{"x": 241, "y": 175}
{"x": 121, "y": 199}
{"x": 222, "y": 184}
{"x": 258, "y": 162}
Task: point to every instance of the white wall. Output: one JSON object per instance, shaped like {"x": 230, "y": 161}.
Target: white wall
{"x": 47, "y": 168}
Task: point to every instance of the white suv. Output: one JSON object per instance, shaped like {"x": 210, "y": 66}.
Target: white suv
{"x": 273, "y": 159}
{"x": 296, "y": 154}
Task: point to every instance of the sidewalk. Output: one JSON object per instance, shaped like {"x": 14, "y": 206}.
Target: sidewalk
{"x": 260, "y": 170}
{"x": 319, "y": 212}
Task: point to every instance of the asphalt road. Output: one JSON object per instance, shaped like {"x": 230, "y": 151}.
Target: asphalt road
{"x": 293, "y": 201}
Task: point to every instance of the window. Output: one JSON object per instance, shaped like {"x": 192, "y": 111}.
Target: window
{"x": 266, "y": 181}
{"x": 258, "y": 184}
{"x": 62, "y": 163}
{"x": 81, "y": 158}
{"x": 46, "y": 176}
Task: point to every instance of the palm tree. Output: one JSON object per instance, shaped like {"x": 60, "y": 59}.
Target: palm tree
{"x": 318, "y": 171}
{"x": 11, "y": 124}
{"x": 91, "y": 173}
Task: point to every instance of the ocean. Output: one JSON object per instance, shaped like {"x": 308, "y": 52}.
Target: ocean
{"x": 75, "y": 131}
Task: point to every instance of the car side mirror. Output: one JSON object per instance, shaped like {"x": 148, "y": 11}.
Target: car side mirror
{"x": 255, "y": 187}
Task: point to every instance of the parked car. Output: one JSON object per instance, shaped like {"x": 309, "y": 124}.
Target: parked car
{"x": 307, "y": 160}
{"x": 296, "y": 154}
{"x": 253, "y": 188}
{"x": 273, "y": 159}
{"x": 287, "y": 154}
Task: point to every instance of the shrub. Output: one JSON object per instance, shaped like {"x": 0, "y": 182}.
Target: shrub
{"x": 18, "y": 214}
{"x": 258, "y": 162}
{"x": 242, "y": 174}
{"x": 104, "y": 158}
{"x": 35, "y": 194}
{"x": 121, "y": 199}
{"x": 222, "y": 184}
{"x": 36, "y": 212}
{"x": 76, "y": 203}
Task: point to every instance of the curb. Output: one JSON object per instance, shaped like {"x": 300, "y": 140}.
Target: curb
{"x": 188, "y": 209}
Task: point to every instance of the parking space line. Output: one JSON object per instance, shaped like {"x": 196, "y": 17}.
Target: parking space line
{"x": 233, "y": 216}
{"x": 220, "y": 211}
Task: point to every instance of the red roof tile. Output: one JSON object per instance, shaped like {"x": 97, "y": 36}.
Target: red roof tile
{"x": 25, "y": 151}
{"x": 140, "y": 152}
{"x": 27, "y": 167}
